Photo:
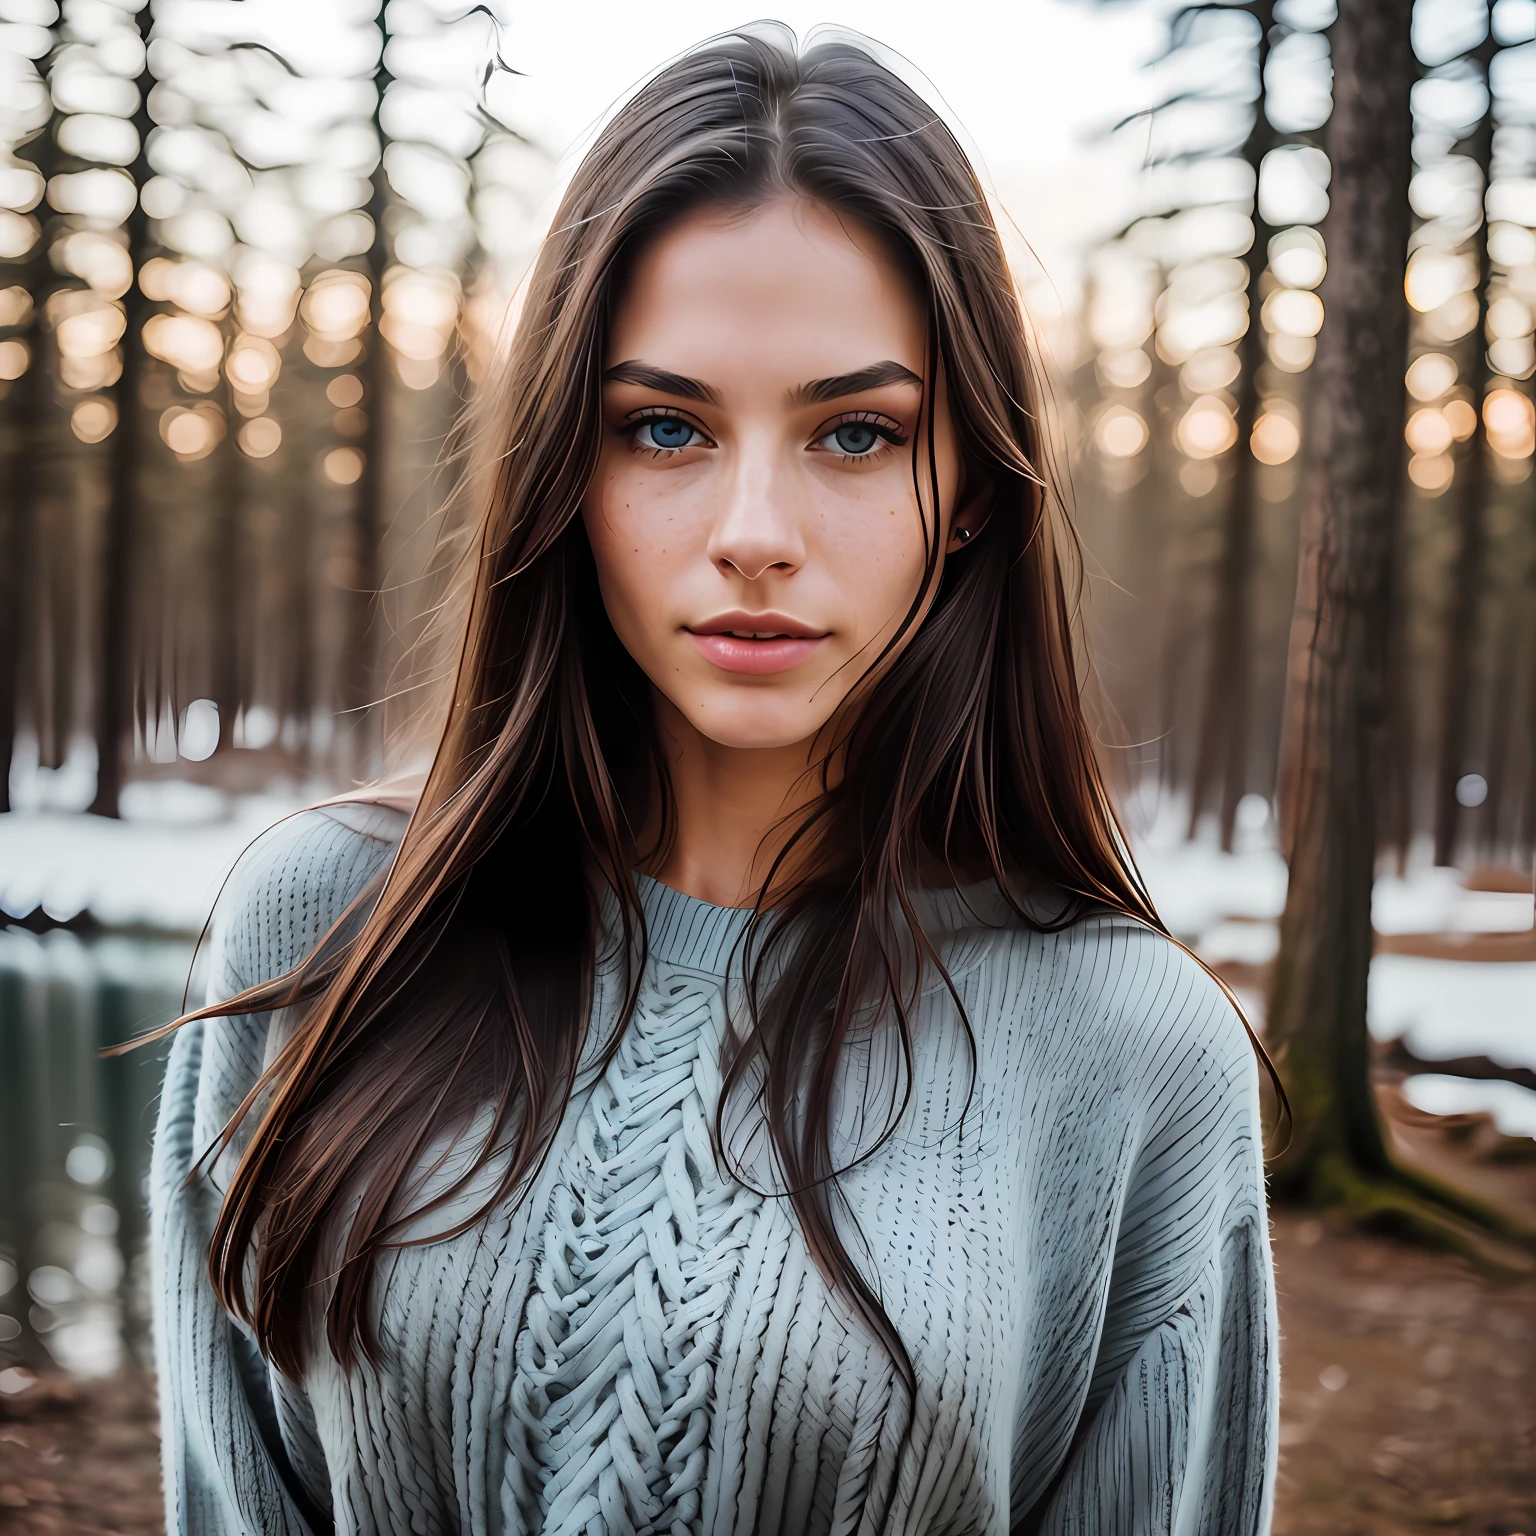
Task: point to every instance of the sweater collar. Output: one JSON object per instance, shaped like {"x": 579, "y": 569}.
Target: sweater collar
{"x": 686, "y": 931}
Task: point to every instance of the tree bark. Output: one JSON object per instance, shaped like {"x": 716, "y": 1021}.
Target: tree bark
{"x": 1458, "y": 660}
{"x": 25, "y": 407}
{"x": 1317, "y": 1020}
{"x": 18, "y": 512}
{"x": 1222, "y": 758}
{"x": 228, "y": 599}
{"x": 116, "y": 653}
{"x": 359, "y": 679}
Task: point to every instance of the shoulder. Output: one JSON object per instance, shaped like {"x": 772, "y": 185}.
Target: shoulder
{"x": 282, "y": 896}
{"x": 1112, "y": 998}
{"x": 293, "y": 882}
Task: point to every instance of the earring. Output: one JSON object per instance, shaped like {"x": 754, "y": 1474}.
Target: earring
{"x": 963, "y": 534}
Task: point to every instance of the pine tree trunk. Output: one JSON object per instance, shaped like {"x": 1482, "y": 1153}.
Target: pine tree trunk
{"x": 1222, "y": 758}
{"x": 1317, "y": 1020}
{"x": 18, "y": 510}
{"x": 116, "y": 652}
{"x": 1458, "y": 663}
{"x": 359, "y": 682}
{"x": 228, "y": 597}
{"x": 24, "y": 411}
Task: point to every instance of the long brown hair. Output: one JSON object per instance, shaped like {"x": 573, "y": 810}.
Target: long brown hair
{"x": 467, "y": 971}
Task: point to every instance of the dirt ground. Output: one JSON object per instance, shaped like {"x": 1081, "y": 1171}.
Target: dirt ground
{"x": 1408, "y": 1404}
{"x": 1408, "y": 1390}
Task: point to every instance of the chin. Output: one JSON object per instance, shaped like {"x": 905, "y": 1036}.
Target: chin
{"x": 754, "y": 720}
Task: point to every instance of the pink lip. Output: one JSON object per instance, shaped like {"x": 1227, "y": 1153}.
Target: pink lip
{"x": 758, "y": 658}
{"x": 793, "y": 641}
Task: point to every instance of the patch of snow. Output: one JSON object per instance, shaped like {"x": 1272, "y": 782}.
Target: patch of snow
{"x": 1251, "y": 943}
{"x": 160, "y": 867}
{"x": 173, "y": 802}
{"x": 1444, "y": 1008}
{"x": 1513, "y": 1108}
{"x": 1195, "y": 885}
{"x": 1430, "y": 900}
{"x": 69, "y": 787}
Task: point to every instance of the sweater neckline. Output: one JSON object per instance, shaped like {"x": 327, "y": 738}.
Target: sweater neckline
{"x": 688, "y": 931}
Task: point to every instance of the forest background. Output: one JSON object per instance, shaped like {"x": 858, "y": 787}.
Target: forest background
{"x": 254, "y": 259}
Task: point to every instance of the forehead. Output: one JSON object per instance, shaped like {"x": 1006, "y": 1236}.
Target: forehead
{"x": 792, "y": 287}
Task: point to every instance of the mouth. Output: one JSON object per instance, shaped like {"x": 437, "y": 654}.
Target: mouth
{"x": 755, "y": 644}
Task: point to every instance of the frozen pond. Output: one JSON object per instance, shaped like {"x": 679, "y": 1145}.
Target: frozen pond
{"x": 75, "y": 1133}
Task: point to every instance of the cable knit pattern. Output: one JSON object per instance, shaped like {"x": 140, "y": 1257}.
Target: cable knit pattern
{"x": 614, "y": 1379}
{"x": 1077, "y": 1261}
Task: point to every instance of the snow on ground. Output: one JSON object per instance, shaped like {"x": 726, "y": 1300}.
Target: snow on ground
{"x": 1513, "y": 1109}
{"x": 161, "y": 867}
{"x": 1443, "y": 1008}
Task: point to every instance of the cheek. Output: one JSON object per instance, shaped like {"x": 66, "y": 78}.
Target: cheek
{"x": 872, "y": 540}
{"x": 639, "y": 538}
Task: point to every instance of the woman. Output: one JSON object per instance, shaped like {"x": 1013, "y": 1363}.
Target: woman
{"x": 752, "y": 1091}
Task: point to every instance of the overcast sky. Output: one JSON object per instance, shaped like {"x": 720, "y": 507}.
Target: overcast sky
{"x": 1031, "y": 83}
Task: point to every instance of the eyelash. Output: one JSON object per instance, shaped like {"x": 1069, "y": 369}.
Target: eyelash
{"x": 633, "y": 426}
{"x": 882, "y": 425}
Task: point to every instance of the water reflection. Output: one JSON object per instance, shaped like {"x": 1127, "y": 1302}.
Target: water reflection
{"x": 75, "y": 1134}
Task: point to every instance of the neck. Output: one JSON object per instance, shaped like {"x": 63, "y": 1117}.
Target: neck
{"x": 736, "y": 807}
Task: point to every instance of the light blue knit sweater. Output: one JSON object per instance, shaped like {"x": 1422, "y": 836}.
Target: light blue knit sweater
{"x": 1079, "y": 1268}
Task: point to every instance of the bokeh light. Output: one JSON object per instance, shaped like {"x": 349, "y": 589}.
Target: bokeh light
{"x": 1121, "y": 433}
{"x": 1428, "y": 432}
{"x": 186, "y": 342}
{"x": 343, "y": 466}
{"x": 1296, "y": 257}
{"x": 260, "y": 438}
{"x": 1214, "y": 368}
{"x": 1293, "y": 312}
{"x": 1430, "y": 376}
{"x": 191, "y": 434}
{"x": 1206, "y": 428}
{"x": 92, "y": 420}
{"x": 14, "y": 358}
{"x": 1510, "y": 420}
{"x": 344, "y": 390}
{"x": 1432, "y": 473}
{"x": 253, "y": 364}
{"x": 1276, "y": 434}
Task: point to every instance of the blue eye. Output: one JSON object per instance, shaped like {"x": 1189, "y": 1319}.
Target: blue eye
{"x": 855, "y": 438}
{"x": 666, "y": 432}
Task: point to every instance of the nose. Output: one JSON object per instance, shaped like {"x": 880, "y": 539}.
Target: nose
{"x": 758, "y": 529}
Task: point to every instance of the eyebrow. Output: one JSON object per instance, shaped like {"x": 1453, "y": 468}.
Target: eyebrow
{"x": 662, "y": 379}
{"x": 817, "y": 392}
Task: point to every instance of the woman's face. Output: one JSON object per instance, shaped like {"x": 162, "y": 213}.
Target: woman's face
{"x": 754, "y": 518}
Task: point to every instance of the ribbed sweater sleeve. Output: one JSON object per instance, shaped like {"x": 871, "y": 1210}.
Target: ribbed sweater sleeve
{"x": 1180, "y": 1434}
{"x": 234, "y": 1437}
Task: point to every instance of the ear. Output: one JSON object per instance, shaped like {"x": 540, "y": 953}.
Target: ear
{"x": 971, "y": 517}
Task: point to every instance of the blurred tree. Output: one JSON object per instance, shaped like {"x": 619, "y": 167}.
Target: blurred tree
{"x": 23, "y": 404}
{"x": 1317, "y": 1016}
{"x": 1221, "y": 758}
{"x": 359, "y": 687}
{"x": 117, "y": 645}
{"x": 1458, "y": 665}
{"x": 1207, "y": 546}
{"x": 1317, "y": 1011}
